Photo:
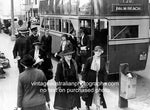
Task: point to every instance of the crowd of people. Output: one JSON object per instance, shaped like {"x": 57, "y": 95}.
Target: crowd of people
{"x": 34, "y": 63}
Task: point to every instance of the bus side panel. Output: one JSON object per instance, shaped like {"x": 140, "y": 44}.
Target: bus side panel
{"x": 127, "y": 53}
{"x": 56, "y": 40}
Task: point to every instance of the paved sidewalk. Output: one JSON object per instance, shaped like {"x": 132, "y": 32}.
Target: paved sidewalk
{"x": 8, "y": 86}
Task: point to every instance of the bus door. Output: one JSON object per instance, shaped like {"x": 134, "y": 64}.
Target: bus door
{"x": 128, "y": 43}
{"x": 97, "y": 30}
{"x": 101, "y": 34}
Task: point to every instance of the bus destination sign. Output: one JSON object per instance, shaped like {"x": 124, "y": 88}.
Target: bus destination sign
{"x": 126, "y": 8}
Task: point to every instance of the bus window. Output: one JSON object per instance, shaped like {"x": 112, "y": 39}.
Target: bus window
{"x": 58, "y": 25}
{"x": 52, "y": 24}
{"x": 47, "y": 23}
{"x": 65, "y": 26}
{"x": 120, "y": 32}
{"x": 100, "y": 24}
{"x": 86, "y": 24}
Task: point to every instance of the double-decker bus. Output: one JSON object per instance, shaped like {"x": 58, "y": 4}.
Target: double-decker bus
{"x": 120, "y": 26}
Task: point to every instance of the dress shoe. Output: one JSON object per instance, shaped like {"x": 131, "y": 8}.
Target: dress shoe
{"x": 104, "y": 105}
{"x": 88, "y": 108}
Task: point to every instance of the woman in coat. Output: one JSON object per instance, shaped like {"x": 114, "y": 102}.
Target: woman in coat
{"x": 32, "y": 87}
{"x": 41, "y": 59}
{"x": 67, "y": 95}
{"x": 94, "y": 74}
{"x": 65, "y": 43}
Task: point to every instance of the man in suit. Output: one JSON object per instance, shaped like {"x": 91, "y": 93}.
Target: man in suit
{"x": 84, "y": 46}
{"x": 40, "y": 57}
{"x": 32, "y": 87}
{"x": 20, "y": 46}
{"x": 34, "y": 37}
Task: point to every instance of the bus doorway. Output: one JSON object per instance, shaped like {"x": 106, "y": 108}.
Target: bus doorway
{"x": 97, "y": 30}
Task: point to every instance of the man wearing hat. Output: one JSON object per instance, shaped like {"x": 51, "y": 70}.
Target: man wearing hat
{"x": 19, "y": 49}
{"x": 37, "y": 52}
{"x": 40, "y": 57}
{"x": 31, "y": 39}
{"x": 32, "y": 87}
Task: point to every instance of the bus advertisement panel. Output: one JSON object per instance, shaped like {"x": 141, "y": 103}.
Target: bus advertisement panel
{"x": 95, "y": 7}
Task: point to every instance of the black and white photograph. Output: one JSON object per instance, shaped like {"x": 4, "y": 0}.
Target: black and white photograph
{"x": 74, "y": 54}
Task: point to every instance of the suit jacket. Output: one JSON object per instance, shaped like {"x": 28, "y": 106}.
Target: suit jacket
{"x": 46, "y": 64}
{"x": 42, "y": 55}
{"x": 29, "y": 43}
{"x": 30, "y": 85}
{"x": 86, "y": 41}
{"x": 20, "y": 47}
{"x": 89, "y": 75}
{"x": 47, "y": 44}
{"x": 74, "y": 42}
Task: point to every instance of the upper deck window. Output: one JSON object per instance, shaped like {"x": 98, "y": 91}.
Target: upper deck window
{"x": 127, "y": 31}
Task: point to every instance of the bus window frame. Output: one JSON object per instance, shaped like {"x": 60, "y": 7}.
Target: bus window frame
{"x": 67, "y": 30}
{"x": 141, "y": 22}
{"x": 124, "y": 29}
{"x": 52, "y": 24}
{"x": 47, "y": 21}
{"x": 58, "y": 26}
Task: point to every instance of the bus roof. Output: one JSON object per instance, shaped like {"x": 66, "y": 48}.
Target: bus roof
{"x": 94, "y": 7}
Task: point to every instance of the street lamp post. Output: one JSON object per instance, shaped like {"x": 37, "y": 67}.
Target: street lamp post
{"x": 12, "y": 21}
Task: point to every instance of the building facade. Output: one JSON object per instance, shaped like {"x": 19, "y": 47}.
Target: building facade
{"x": 32, "y": 8}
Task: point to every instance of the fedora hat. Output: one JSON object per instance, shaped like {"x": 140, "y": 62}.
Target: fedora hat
{"x": 28, "y": 60}
{"x": 68, "y": 50}
{"x": 23, "y": 30}
{"x": 34, "y": 29}
{"x": 37, "y": 43}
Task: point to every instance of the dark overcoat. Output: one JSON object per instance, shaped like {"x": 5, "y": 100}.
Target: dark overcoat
{"x": 65, "y": 98}
{"x": 20, "y": 50}
{"x": 29, "y": 43}
{"x": 20, "y": 47}
{"x": 46, "y": 64}
{"x": 47, "y": 44}
{"x": 89, "y": 76}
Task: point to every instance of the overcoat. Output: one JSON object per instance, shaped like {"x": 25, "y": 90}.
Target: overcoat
{"x": 47, "y": 44}
{"x": 89, "y": 76}
{"x": 46, "y": 64}
{"x": 31, "y": 82}
{"x": 29, "y": 42}
{"x": 67, "y": 96}
{"x": 20, "y": 50}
